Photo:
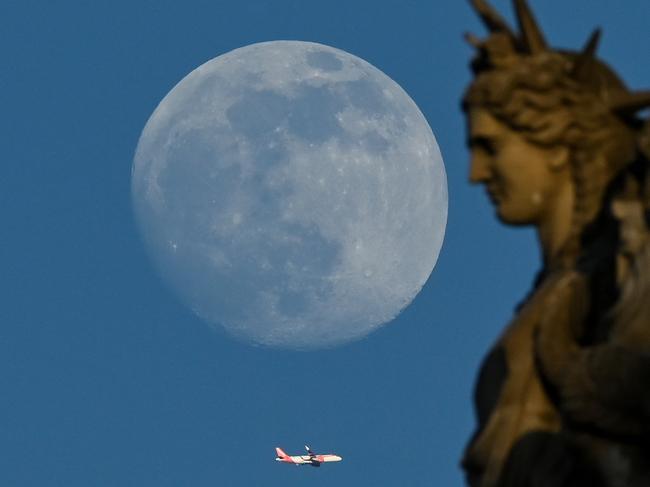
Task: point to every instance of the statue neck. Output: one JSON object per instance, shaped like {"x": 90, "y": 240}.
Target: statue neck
{"x": 554, "y": 227}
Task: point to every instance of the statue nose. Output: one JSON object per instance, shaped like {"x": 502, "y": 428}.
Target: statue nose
{"x": 479, "y": 171}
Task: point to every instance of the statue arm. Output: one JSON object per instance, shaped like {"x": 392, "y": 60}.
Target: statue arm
{"x": 606, "y": 386}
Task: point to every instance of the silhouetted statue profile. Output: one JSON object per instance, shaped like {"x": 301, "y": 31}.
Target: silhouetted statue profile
{"x": 563, "y": 397}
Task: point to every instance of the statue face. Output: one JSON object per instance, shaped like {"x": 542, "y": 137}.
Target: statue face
{"x": 522, "y": 179}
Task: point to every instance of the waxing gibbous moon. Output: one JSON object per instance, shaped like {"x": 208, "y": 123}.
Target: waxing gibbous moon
{"x": 292, "y": 194}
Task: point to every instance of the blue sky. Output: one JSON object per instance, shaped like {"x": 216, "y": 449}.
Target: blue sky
{"x": 107, "y": 380}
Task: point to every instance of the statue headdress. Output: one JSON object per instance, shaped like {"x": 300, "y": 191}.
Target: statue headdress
{"x": 505, "y": 47}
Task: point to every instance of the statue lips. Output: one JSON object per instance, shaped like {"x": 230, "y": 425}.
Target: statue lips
{"x": 493, "y": 193}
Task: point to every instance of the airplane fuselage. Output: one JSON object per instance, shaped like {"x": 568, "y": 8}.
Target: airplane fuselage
{"x": 313, "y": 460}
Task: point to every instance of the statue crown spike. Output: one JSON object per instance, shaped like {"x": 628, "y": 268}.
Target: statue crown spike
{"x": 584, "y": 64}
{"x": 532, "y": 38}
{"x": 491, "y": 17}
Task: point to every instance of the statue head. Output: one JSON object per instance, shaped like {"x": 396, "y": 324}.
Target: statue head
{"x": 547, "y": 127}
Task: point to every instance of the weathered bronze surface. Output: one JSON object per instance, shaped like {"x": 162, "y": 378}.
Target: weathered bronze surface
{"x": 563, "y": 397}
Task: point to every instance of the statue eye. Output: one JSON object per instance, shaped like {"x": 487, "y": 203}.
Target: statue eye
{"x": 486, "y": 144}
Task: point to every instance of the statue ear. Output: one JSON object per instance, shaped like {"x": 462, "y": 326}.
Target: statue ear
{"x": 559, "y": 158}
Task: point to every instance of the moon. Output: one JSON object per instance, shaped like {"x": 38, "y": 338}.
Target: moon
{"x": 291, "y": 194}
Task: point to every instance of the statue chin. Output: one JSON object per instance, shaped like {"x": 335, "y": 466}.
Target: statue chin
{"x": 508, "y": 216}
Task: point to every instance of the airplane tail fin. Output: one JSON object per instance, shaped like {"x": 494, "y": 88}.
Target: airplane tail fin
{"x": 280, "y": 453}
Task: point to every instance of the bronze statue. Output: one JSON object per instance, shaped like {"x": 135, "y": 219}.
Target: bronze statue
{"x": 563, "y": 398}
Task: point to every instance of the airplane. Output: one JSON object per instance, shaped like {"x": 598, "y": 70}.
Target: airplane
{"x": 310, "y": 459}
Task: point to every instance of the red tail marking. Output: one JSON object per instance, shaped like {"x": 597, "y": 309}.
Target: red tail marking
{"x": 280, "y": 453}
